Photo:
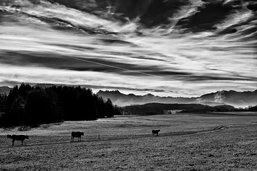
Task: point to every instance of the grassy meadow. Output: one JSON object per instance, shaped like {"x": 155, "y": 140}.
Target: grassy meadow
{"x": 220, "y": 141}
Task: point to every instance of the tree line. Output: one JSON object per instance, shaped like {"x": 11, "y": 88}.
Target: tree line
{"x": 252, "y": 108}
{"x": 160, "y": 108}
{"x": 28, "y": 105}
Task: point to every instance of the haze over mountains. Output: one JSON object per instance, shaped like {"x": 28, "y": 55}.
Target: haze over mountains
{"x": 234, "y": 98}
{"x": 164, "y": 47}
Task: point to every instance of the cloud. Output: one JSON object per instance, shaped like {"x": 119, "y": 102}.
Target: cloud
{"x": 51, "y": 43}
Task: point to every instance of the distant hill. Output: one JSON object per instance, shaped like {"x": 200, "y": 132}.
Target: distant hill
{"x": 158, "y": 108}
{"x": 234, "y": 98}
{"x": 4, "y": 90}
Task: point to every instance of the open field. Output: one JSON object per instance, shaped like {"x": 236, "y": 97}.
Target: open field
{"x": 186, "y": 142}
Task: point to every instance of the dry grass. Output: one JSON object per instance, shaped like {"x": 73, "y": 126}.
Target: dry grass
{"x": 186, "y": 142}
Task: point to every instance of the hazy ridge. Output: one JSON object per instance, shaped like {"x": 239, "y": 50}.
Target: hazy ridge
{"x": 234, "y": 98}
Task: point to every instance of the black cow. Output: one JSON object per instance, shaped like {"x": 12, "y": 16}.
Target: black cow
{"x": 77, "y": 135}
{"x": 155, "y": 132}
{"x": 17, "y": 138}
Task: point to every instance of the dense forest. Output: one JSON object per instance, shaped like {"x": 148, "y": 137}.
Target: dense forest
{"x": 254, "y": 108}
{"x": 27, "y": 105}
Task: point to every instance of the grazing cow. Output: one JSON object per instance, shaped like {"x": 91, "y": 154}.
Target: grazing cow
{"x": 17, "y": 138}
{"x": 77, "y": 135}
{"x": 155, "y": 132}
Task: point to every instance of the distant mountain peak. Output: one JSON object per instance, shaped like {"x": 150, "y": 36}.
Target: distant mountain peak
{"x": 223, "y": 97}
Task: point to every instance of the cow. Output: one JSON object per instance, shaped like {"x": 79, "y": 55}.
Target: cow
{"x": 155, "y": 132}
{"x": 77, "y": 135}
{"x": 17, "y": 138}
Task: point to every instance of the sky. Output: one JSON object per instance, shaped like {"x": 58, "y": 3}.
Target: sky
{"x": 47, "y": 42}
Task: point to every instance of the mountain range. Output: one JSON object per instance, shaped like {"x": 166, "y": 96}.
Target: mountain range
{"x": 234, "y": 98}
